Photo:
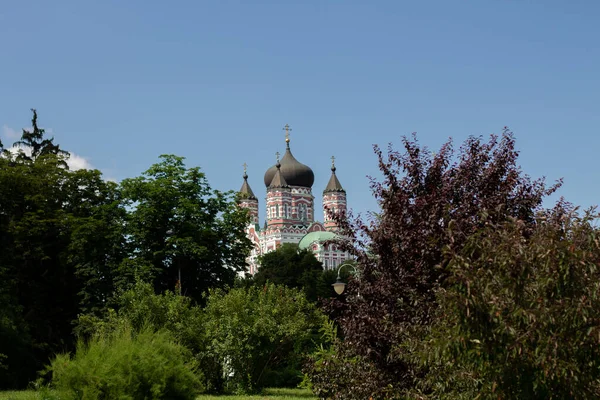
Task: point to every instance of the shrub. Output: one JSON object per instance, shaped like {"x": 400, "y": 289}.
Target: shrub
{"x": 520, "y": 319}
{"x": 127, "y": 365}
{"x": 261, "y": 335}
{"x": 140, "y": 307}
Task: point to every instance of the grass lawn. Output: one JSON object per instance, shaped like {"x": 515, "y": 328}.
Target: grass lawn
{"x": 269, "y": 394}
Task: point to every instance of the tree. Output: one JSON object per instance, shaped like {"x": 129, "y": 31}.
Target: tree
{"x": 54, "y": 224}
{"x": 519, "y": 316}
{"x": 289, "y": 266}
{"x": 400, "y": 254}
{"x": 178, "y": 226}
{"x": 261, "y": 334}
{"x": 37, "y": 142}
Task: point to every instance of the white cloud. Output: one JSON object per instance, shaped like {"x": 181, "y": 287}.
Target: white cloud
{"x": 74, "y": 162}
{"x": 10, "y": 133}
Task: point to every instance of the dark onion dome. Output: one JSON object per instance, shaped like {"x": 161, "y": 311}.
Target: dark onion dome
{"x": 246, "y": 192}
{"x": 294, "y": 172}
{"x": 334, "y": 184}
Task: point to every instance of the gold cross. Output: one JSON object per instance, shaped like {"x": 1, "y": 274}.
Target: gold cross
{"x": 277, "y": 155}
{"x": 333, "y": 161}
{"x": 245, "y": 168}
{"x": 287, "y": 130}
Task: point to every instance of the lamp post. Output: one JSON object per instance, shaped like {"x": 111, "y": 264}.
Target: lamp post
{"x": 339, "y": 286}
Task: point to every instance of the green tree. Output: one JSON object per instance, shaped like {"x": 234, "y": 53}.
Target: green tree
{"x": 38, "y": 143}
{"x": 50, "y": 219}
{"x": 178, "y": 226}
{"x": 519, "y": 318}
{"x": 289, "y": 266}
{"x": 262, "y": 334}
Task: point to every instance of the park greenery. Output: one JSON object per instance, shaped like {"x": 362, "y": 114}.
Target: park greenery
{"x": 466, "y": 285}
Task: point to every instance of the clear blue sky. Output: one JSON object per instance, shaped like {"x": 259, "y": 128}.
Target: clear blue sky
{"x": 120, "y": 82}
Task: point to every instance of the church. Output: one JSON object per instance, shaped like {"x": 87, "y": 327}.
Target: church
{"x": 290, "y": 216}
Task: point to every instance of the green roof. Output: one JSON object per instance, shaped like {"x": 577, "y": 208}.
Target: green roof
{"x": 311, "y": 237}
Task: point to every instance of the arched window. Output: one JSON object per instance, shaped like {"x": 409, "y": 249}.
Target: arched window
{"x": 277, "y": 210}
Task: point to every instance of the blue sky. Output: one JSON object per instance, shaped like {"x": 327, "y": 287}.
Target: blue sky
{"x": 121, "y": 82}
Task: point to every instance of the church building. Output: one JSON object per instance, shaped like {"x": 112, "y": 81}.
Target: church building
{"x": 290, "y": 216}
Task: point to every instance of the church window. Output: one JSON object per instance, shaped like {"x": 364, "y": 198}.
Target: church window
{"x": 277, "y": 210}
{"x": 303, "y": 212}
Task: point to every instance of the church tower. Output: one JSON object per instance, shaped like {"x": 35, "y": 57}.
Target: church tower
{"x": 248, "y": 199}
{"x": 300, "y": 179}
{"x": 334, "y": 200}
{"x": 279, "y": 200}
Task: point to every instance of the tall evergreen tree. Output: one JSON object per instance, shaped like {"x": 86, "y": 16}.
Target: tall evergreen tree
{"x": 37, "y": 141}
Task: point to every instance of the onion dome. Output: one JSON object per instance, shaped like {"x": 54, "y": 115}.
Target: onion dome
{"x": 246, "y": 192}
{"x": 334, "y": 184}
{"x": 294, "y": 172}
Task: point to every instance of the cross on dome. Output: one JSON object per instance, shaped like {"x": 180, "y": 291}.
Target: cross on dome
{"x": 287, "y": 130}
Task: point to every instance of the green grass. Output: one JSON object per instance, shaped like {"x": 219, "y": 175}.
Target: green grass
{"x": 269, "y": 394}
{"x": 19, "y": 395}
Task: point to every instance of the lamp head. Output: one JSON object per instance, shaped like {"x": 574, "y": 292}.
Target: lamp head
{"x": 339, "y": 286}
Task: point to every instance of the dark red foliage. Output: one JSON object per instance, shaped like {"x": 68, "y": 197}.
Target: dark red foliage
{"x": 400, "y": 250}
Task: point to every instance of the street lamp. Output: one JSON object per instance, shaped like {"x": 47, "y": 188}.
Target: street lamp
{"x": 339, "y": 286}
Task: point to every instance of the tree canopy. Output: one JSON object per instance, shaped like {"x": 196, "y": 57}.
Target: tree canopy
{"x": 181, "y": 233}
{"x": 400, "y": 254}
{"x": 292, "y": 267}
{"x": 71, "y": 239}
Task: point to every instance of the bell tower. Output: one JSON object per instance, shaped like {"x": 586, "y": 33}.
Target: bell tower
{"x": 248, "y": 199}
{"x": 334, "y": 200}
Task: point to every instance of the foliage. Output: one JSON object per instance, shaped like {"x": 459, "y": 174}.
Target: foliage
{"x": 71, "y": 239}
{"x": 36, "y": 142}
{"x": 259, "y": 330}
{"x": 519, "y": 318}
{"x": 291, "y": 267}
{"x": 124, "y": 364}
{"x": 178, "y": 226}
{"x": 140, "y": 307}
{"x": 54, "y": 225}
{"x": 400, "y": 253}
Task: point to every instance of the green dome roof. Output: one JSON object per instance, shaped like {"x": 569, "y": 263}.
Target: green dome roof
{"x": 315, "y": 237}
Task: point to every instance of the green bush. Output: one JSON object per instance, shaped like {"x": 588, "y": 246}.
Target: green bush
{"x": 520, "y": 317}
{"x": 262, "y": 335}
{"x": 127, "y": 365}
{"x": 140, "y": 307}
